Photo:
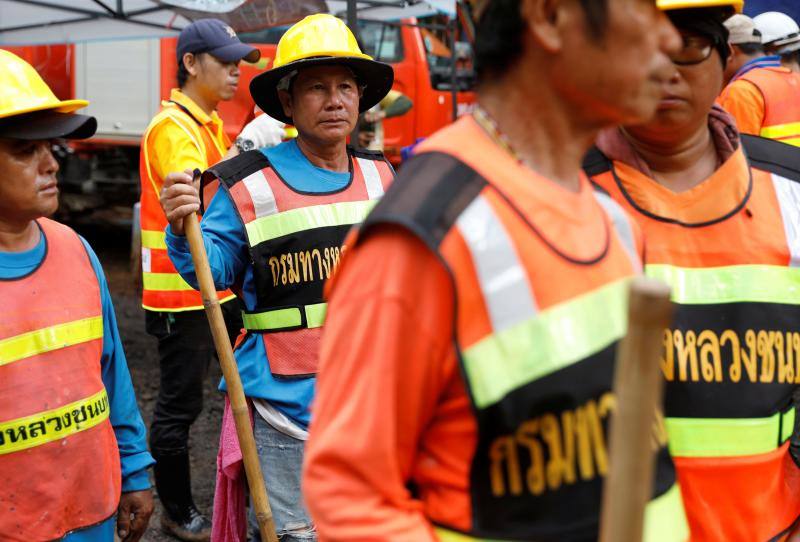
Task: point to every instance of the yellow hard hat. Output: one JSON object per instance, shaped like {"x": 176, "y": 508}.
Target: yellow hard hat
{"x": 22, "y": 90}
{"x": 320, "y": 39}
{"x": 666, "y": 5}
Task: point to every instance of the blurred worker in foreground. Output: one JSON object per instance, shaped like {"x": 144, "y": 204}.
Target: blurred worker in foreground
{"x": 73, "y": 453}
{"x": 719, "y": 212}
{"x": 274, "y": 230}
{"x": 467, "y": 358}
{"x": 762, "y": 95}
{"x": 186, "y": 133}
{"x": 780, "y": 35}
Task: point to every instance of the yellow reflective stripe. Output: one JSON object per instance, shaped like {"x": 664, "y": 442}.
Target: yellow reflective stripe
{"x": 164, "y": 282}
{"x": 184, "y": 309}
{"x": 554, "y": 339}
{"x": 791, "y": 141}
{"x": 52, "y": 425}
{"x": 50, "y": 338}
{"x": 446, "y": 535}
{"x": 154, "y": 239}
{"x": 285, "y": 318}
{"x": 728, "y": 437}
{"x": 315, "y": 314}
{"x": 665, "y": 519}
{"x": 781, "y": 130}
{"x": 307, "y": 218}
{"x": 731, "y": 284}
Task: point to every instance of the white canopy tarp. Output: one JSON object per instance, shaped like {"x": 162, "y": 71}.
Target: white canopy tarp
{"x": 29, "y": 22}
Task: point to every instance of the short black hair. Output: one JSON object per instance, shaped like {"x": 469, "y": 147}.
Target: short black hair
{"x": 183, "y": 73}
{"x": 750, "y": 49}
{"x": 498, "y": 34}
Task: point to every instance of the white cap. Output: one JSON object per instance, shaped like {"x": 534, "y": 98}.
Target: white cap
{"x": 742, "y": 30}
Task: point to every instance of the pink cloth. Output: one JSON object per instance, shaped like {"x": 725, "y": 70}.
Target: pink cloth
{"x": 613, "y": 143}
{"x": 229, "y": 523}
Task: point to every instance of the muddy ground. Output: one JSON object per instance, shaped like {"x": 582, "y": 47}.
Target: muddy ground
{"x": 113, "y": 247}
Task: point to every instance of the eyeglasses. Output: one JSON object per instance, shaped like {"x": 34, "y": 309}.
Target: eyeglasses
{"x": 696, "y": 49}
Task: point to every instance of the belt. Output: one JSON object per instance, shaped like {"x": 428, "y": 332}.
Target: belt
{"x": 285, "y": 319}
{"x": 729, "y": 437}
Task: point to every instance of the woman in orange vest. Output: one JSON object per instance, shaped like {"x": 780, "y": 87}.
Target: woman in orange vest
{"x": 186, "y": 133}
{"x": 73, "y": 455}
{"x": 465, "y": 381}
{"x": 720, "y": 213}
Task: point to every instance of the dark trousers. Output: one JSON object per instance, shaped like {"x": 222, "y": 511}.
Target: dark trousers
{"x": 185, "y": 349}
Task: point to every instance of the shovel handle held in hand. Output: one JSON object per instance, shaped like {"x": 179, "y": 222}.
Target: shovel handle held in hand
{"x": 244, "y": 431}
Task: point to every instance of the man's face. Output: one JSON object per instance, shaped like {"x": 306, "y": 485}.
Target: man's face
{"x": 218, "y": 80}
{"x": 688, "y": 96}
{"x": 323, "y": 104}
{"x": 28, "y": 186}
{"x": 617, "y": 77}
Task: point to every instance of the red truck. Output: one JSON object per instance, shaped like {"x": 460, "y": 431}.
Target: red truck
{"x": 126, "y": 80}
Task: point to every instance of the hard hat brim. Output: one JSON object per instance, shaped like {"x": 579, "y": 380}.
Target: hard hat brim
{"x": 668, "y": 5}
{"x": 376, "y": 76}
{"x": 48, "y": 125}
{"x": 62, "y": 106}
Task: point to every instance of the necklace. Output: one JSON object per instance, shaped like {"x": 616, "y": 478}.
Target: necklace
{"x": 489, "y": 126}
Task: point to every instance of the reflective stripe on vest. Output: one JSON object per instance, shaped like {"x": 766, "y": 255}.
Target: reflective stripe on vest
{"x": 788, "y": 194}
{"x": 311, "y": 316}
{"x": 722, "y": 437}
{"x": 730, "y": 284}
{"x": 50, "y": 338}
{"x": 659, "y": 522}
{"x": 51, "y": 425}
{"x": 787, "y": 133}
{"x": 623, "y": 227}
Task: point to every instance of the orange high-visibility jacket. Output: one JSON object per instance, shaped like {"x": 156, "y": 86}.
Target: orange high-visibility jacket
{"x": 181, "y": 136}
{"x": 770, "y": 110}
{"x": 540, "y": 303}
{"x": 59, "y": 460}
{"x": 295, "y": 241}
{"x": 730, "y": 249}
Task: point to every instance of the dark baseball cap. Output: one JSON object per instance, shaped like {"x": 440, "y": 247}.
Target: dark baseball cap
{"x": 216, "y": 38}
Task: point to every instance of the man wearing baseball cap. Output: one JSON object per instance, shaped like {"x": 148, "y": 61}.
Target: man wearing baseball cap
{"x": 73, "y": 451}
{"x": 276, "y": 228}
{"x": 762, "y": 95}
{"x": 186, "y": 133}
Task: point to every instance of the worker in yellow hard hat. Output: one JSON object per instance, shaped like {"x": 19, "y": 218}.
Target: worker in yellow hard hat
{"x": 73, "y": 454}
{"x": 719, "y": 211}
{"x": 274, "y": 231}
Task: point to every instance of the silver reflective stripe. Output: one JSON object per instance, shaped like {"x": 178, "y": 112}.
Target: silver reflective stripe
{"x": 502, "y": 277}
{"x": 788, "y": 193}
{"x": 372, "y": 178}
{"x": 261, "y": 194}
{"x": 623, "y": 227}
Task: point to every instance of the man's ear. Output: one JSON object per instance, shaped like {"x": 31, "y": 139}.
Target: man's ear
{"x": 190, "y": 62}
{"x": 286, "y": 102}
{"x": 546, "y": 20}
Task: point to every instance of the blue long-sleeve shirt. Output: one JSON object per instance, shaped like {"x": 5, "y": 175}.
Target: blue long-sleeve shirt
{"x": 124, "y": 415}
{"x": 229, "y": 258}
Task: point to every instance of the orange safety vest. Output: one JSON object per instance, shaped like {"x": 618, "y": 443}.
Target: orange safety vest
{"x": 295, "y": 241}
{"x": 163, "y": 289}
{"x": 730, "y": 249}
{"x": 780, "y": 88}
{"x": 540, "y": 306}
{"x": 59, "y": 460}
